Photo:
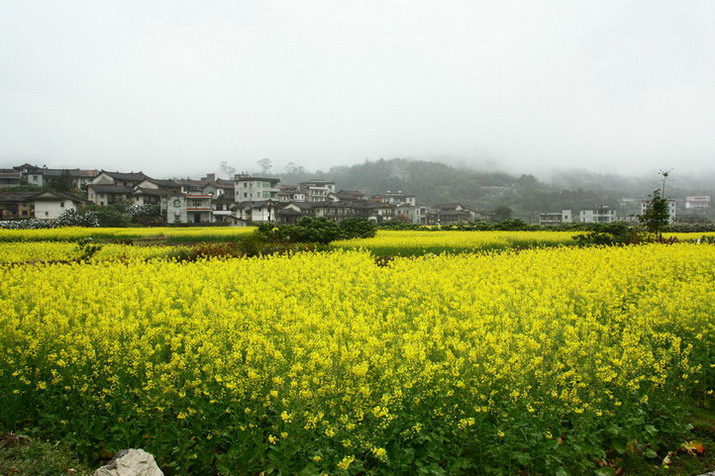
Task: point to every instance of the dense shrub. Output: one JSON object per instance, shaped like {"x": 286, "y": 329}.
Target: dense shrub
{"x": 74, "y": 217}
{"x": 317, "y": 230}
{"x": 30, "y": 224}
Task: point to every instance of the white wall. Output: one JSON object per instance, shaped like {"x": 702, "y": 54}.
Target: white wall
{"x": 51, "y": 210}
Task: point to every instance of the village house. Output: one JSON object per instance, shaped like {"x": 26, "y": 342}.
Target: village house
{"x": 697, "y": 203}
{"x": 290, "y": 193}
{"x": 555, "y": 218}
{"x": 16, "y": 205}
{"x": 346, "y": 195}
{"x": 42, "y": 176}
{"x": 50, "y": 205}
{"x": 450, "y": 213}
{"x": 395, "y": 198}
{"x": 600, "y": 214}
{"x": 262, "y": 211}
{"x": 10, "y": 178}
{"x": 189, "y": 208}
{"x": 108, "y": 194}
{"x": 123, "y": 179}
{"x": 249, "y": 188}
{"x": 316, "y": 190}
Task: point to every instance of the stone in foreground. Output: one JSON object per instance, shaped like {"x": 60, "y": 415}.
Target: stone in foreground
{"x": 131, "y": 462}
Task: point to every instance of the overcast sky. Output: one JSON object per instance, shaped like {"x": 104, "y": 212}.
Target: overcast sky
{"x": 175, "y": 87}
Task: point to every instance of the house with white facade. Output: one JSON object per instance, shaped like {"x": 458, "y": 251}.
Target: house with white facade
{"x": 189, "y": 208}
{"x": 253, "y": 189}
{"x": 555, "y": 218}
{"x": 290, "y": 193}
{"x": 263, "y": 211}
{"x": 395, "y": 198}
{"x": 600, "y": 214}
{"x": 50, "y": 205}
{"x": 697, "y": 203}
{"x": 317, "y": 190}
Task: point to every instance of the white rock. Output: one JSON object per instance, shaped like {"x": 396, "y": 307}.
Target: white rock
{"x": 132, "y": 462}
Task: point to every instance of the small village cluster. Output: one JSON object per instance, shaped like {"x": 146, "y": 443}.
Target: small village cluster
{"x": 245, "y": 199}
{"x": 252, "y": 199}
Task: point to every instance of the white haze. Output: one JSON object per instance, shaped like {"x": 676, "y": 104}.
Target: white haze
{"x": 176, "y": 87}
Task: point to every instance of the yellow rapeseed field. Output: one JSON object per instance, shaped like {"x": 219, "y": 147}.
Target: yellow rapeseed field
{"x": 47, "y": 251}
{"x": 171, "y": 234}
{"x": 409, "y": 243}
{"x": 543, "y": 360}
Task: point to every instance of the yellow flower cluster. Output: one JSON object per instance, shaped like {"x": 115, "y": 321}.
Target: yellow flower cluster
{"x": 331, "y": 362}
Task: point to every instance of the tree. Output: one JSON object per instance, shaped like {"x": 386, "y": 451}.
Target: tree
{"x": 227, "y": 169}
{"x": 294, "y": 169}
{"x": 62, "y": 183}
{"x": 265, "y": 164}
{"x": 502, "y": 213}
{"x": 656, "y": 215}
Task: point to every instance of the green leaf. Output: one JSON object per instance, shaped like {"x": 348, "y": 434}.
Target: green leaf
{"x": 606, "y": 471}
{"x": 619, "y": 446}
{"x": 649, "y": 453}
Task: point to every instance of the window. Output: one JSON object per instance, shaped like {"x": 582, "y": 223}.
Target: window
{"x": 62, "y": 204}
{"x": 245, "y": 195}
{"x": 245, "y": 184}
{"x": 177, "y": 203}
{"x": 47, "y": 214}
{"x": 197, "y": 203}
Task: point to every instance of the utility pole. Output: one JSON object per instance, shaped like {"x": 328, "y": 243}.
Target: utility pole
{"x": 665, "y": 174}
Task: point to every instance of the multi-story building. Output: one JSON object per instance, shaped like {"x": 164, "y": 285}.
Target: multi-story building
{"x": 109, "y": 194}
{"x": 600, "y": 214}
{"x": 697, "y": 203}
{"x": 249, "y": 188}
{"x": 10, "y": 178}
{"x": 42, "y": 176}
{"x": 17, "y": 205}
{"x": 290, "y": 193}
{"x": 395, "y": 198}
{"x": 556, "y": 218}
{"x": 189, "y": 208}
{"x": 317, "y": 190}
{"x": 449, "y": 213}
{"x": 347, "y": 195}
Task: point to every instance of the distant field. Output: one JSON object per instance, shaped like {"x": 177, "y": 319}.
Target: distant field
{"x": 411, "y": 243}
{"x": 54, "y": 251}
{"x": 188, "y": 234}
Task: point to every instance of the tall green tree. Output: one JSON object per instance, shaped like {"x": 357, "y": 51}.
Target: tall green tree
{"x": 62, "y": 183}
{"x": 656, "y": 215}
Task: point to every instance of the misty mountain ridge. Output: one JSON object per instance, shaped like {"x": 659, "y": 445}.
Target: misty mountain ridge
{"x": 435, "y": 182}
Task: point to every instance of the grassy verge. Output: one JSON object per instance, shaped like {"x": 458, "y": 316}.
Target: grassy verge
{"x": 22, "y": 456}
